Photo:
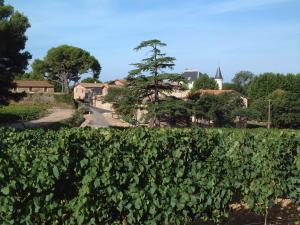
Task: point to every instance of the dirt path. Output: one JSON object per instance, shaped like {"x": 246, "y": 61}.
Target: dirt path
{"x": 54, "y": 115}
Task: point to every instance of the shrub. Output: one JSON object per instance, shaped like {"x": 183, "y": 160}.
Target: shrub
{"x": 64, "y": 98}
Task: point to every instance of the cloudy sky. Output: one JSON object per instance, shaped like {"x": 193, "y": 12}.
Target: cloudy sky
{"x": 255, "y": 35}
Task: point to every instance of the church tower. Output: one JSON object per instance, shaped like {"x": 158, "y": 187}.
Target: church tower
{"x": 219, "y": 78}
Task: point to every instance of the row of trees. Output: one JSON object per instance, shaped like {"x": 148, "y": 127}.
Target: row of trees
{"x": 282, "y": 91}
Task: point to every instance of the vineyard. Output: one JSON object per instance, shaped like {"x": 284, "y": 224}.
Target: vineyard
{"x": 143, "y": 176}
{"x": 14, "y": 113}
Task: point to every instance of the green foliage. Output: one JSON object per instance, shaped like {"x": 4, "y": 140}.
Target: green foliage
{"x": 142, "y": 176}
{"x": 90, "y": 80}
{"x": 148, "y": 83}
{"x": 235, "y": 87}
{"x": 221, "y": 110}
{"x": 285, "y": 111}
{"x": 37, "y": 73}
{"x": 173, "y": 111}
{"x": 65, "y": 63}
{"x": 124, "y": 102}
{"x": 13, "y": 58}
{"x": 266, "y": 83}
{"x": 204, "y": 82}
{"x": 243, "y": 78}
{"x": 14, "y": 113}
{"x": 64, "y": 98}
{"x": 283, "y": 91}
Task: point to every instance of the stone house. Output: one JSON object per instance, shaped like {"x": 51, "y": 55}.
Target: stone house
{"x": 33, "y": 86}
{"x": 87, "y": 91}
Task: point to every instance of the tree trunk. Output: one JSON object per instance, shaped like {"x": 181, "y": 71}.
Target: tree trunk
{"x": 156, "y": 122}
{"x": 66, "y": 86}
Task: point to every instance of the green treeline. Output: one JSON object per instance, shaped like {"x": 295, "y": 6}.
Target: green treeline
{"x": 143, "y": 176}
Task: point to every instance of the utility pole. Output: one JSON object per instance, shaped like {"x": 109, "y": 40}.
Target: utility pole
{"x": 269, "y": 114}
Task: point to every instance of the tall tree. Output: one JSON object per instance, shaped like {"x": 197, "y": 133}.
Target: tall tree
{"x": 204, "y": 82}
{"x": 243, "y": 78}
{"x": 221, "y": 109}
{"x": 13, "y": 58}
{"x": 37, "y": 73}
{"x": 266, "y": 83}
{"x": 233, "y": 86}
{"x": 285, "y": 109}
{"x": 65, "y": 64}
{"x": 149, "y": 82}
{"x": 172, "y": 111}
{"x": 38, "y": 70}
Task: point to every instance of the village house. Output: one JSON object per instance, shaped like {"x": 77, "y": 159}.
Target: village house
{"x": 33, "y": 86}
{"x": 191, "y": 76}
{"x": 86, "y": 91}
{"x": 93, "y": 93}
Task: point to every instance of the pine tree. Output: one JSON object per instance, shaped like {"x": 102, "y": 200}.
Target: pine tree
{"x": 13, "y": 58}
{"x": 149, "y": 83}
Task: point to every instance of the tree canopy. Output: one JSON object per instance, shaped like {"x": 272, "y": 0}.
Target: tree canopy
{"x": 204, "y": 82}
{"x": 266, "y": 83}
{"x": 37, "y": 73}
{"x": 149, "y": 82}
{"x": 65, "y": 64}
{"x": 221, "y": 110}
{"x": 13, "y": 58}
{"x": 90, "y": 80}
{"x": 240, "y": 82}
{"x": 283, "y": 91}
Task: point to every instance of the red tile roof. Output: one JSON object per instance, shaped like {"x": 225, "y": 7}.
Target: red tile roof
{"x": 33, "y": 83}
{"x": 215, "y": 92}
{"x": 91, "y": 85}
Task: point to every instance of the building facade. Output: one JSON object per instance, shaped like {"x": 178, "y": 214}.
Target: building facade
{"x": 33, "y": 86}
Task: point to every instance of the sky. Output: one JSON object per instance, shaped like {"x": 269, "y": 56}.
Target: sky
{"x": 253, "y": 35}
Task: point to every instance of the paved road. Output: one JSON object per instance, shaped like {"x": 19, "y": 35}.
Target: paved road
{"x": 98, "y": 119}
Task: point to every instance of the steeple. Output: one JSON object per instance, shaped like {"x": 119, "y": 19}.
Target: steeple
{"x": 219, "y": 78}
{"x": 219, "y": 74}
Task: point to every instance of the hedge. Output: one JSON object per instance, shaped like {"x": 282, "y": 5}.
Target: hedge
{"x": 143, "y": 176}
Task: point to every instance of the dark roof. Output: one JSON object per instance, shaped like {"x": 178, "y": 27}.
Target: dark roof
{"x": 219, "y": 74}
{"x": 33, "y": 83}
{"x": 191, "y": 75}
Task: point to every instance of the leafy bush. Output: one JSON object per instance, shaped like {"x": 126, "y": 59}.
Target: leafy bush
{"x": 14, "y": 113}
{"x": 142, "y": 176}
{"x": 64, "y": 98}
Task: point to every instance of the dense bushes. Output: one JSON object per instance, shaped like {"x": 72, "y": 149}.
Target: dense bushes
{"x": 142, "y": 176}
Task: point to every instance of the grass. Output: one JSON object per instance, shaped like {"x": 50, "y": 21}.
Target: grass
{"x": 21, "y": 112}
